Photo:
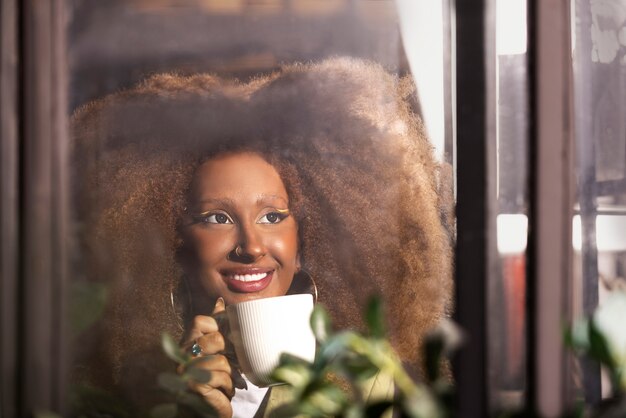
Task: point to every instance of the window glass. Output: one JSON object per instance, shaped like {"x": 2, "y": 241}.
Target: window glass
{"x": 342, "y": 179}
{"x": 507, "y": 306}
{"x": 599, "y": 224}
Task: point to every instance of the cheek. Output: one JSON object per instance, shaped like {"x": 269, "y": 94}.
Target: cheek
{"x": 210, "y": 247}
{"x": 287, "y": 246}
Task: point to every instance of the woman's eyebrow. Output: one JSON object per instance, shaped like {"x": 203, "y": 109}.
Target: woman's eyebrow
{"x": 267, "y": 198}
{"x": 225, "y": 201}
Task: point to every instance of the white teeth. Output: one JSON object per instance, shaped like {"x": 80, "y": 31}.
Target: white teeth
{"x": 249, "y": 277}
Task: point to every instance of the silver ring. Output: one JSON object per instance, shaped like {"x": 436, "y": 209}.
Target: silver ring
{"x": 238, "y": 250}
{"x": 196, "y": 350}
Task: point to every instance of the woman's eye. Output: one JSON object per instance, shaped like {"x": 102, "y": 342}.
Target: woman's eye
{"x": 272, "y": 218}
{"x": 214, "y": 218}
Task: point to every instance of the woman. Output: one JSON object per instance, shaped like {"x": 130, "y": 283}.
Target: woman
{"x": 243, "y": 244}
{"x": 359, "y": 205}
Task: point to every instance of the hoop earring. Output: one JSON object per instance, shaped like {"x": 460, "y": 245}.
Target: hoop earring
{"x": 303, "y": 283}
{"x": 179, "y": 310}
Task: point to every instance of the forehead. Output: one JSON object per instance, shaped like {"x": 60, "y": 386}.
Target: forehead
{"x": 239, "y": 174}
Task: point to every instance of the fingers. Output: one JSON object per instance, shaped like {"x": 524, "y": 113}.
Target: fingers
{"x": 208, "y": 332}
{"x": 220, "y": 376}
{"x": 219, "y": 390}
{"x": 219, "y": 314}
{"x": 218, "y": 363}
{"x": 203, "y": 324}
{"x": 220, "y": 306}
{"x": 238, "y": 380}
{"x": 212, "y": 343}
{"x": 220, "y": 381}
{"x": 223, "y": 364}
{"x": 219, "y": 401}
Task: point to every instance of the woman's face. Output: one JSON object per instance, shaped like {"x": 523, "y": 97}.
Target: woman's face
{"x": 243, "y": 239}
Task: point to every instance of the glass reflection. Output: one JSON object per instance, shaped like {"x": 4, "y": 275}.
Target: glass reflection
{"x": 161, "y": 89}
{"x": 599, "y": 51}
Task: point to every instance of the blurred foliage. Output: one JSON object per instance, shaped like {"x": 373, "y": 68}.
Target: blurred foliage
{"x": 332, "y": 385}
{"x": 184, "y": 402}
{"x": 87, "y": 303}
{"x": 90, "y": 402}
{"x": 319, "y": 388}
{"x": 602, "y": 338}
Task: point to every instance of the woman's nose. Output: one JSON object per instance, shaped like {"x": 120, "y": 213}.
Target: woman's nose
{"x": 250, "y": 246}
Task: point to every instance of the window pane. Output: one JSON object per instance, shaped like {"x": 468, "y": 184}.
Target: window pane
{"x": 508, "y": 298}
{"x": 599, "y": 225}
{"x": 162, "y": 90}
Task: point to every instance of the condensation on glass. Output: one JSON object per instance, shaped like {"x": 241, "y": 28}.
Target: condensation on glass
{"x": 599, "y": 224}
{"x": 116, "y": 44}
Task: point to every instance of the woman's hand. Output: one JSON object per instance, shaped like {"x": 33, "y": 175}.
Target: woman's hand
{"x": 206, "y": 332}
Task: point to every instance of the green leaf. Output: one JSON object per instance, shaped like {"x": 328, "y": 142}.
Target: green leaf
{"x": 377, "y": 409}
{"x": 46, "y": 414}
{"x": 173, "y": 350}
{"x": 599, "y": 347}
{"x": 422, "y": 405}
{"x": 320, "y": 323}
{"x": 198, "y": 375}
{"x": 167, "y": 410}
{"x": 289, "y": 410}
{"x": 197, "y": 404}
{"x": 337, "y": 344}
{"x": 90, "y": 401}
{"x": 374, "y": 318}
{"x": 577, "y": 336}
{"x": 433, "y": 348}
{"x": 355, "y": 410}
{"x": 306, "y": 409}
{"x": 289, "y": 359}
{"x": 296, "y": 375}
{"x": 171, "y": 382}
{"x": 357, "y": 368}
{"x": 87, "y": 303}
{"x": 328, "y": 399}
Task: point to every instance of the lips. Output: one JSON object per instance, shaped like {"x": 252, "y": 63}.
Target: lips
{"x": 247, "y": 280}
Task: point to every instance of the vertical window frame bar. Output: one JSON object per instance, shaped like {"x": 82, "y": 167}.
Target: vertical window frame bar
{"x": 476, "y": 261}
{"x": 9, "y": 204}
{"x": 588, "y": 191}
{"x": 551, "y": 198}
{"x": 44, "y": 195}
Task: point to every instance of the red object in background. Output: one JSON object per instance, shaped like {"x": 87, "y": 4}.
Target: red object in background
{"x": 514, "y": 286}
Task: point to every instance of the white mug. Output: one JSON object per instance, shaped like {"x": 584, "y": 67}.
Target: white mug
{"x": 262, "y": 329}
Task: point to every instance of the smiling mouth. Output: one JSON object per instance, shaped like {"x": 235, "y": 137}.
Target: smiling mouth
{"x": 249, "y": 277}
{"x": 249, "y": 281}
